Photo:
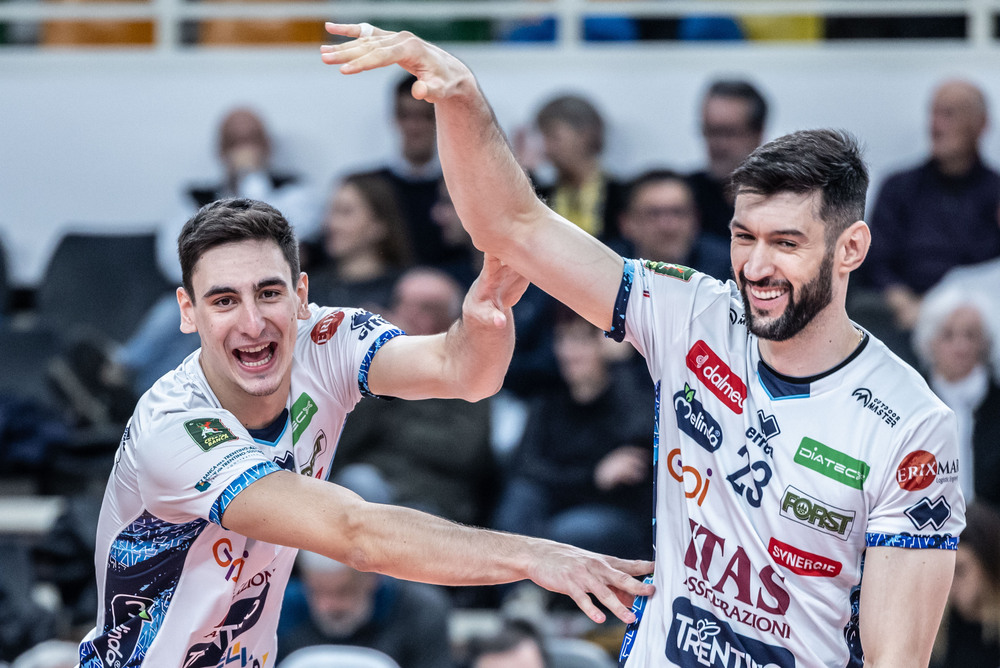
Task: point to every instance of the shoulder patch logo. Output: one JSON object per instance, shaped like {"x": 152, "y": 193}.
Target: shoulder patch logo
{"x": 208, "y": 432}
{"x": 669, "y": 269}
{"x": 324, "y": 330}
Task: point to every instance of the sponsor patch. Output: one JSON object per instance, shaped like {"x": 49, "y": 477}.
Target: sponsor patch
{"x": 929, "y": 513}
{"x": 697, "y": 639}
{"x": 768, "y": 429}
{"x": 669, "y": 269}
{"x": 694, "y": 481}
{"x": 832, "y": 463}
{"x": 695, "y": 421}
{"x": 801, "y": 562}
{"x": 800, "y": 507}
{"x": 920, "y": 468}
{"x": 302, "y": 414}
{"x": 865, "y": 397}
{"x": 208, "y": 432}
{"x": 717, "y": 376}
{"x": 324, "y": 330}
{"x": 366, "y": 322}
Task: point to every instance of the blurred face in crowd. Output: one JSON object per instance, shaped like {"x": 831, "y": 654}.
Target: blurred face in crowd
{"x": 729, "y": 139}
{"x": 425, "y": 302}
{"x": 960, "y": 344}
{"x": 340, "y": 601}
{"x": 580, "y": 348}
{"x": 243, "y": 142}
{"x": 444, "y": 215}
{"x": 958, "y": 119}
{"x": 566, "y": 146}
{"x": 351, "y": 225}
{"x": 661, "y": 221}
{"x": 524, "y": 655}
{"x": 415, "y": 120}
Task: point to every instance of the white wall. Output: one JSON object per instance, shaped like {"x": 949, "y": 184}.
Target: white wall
{"x": 106, "y": 140}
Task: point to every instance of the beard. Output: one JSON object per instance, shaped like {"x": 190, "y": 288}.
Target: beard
{"x": 814, "y": 297}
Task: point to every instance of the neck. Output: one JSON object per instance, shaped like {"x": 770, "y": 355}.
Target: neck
{"x": 581, "y": 172}
{"x": 586, "y": 390}
{"x": 360, "y": 267}
{"x": 956, "y": 165}
{"x": 821, "y": 345}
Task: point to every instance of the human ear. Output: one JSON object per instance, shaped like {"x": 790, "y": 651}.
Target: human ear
{"x": 186, "y": 305}
{"x": 853, "y": 246}
{"x": 302, "y": 293}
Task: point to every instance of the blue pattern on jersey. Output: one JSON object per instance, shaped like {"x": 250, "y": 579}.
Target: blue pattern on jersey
{"x": 779, "y": 388}
{"x": 252, "y": 474}
{"x": 370, "y": 355}
{"x": 909, "y": 541}
{"x": 617, "y": 331}
{"x": 852, "y": 630}
{"x": 144, "y": 566}
{"x": 638, "y": 607}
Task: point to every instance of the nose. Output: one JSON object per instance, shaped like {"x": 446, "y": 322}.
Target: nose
{"x": 251, "y": 320}
{"x": 759, "y": 262}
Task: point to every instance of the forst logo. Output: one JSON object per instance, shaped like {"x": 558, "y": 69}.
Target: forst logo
{"x": 800, "y": 507}
{"x": 324, "y": 330}
{"x": 695, "y": 421}
{"x": 917, "y": 471}
{"x": 717, "y": 376}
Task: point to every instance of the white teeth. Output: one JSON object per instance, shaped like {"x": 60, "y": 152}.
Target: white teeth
{"x": 767, "y": 294}
{"x": 253, "y": 350}
{"x": 261, "y": 362}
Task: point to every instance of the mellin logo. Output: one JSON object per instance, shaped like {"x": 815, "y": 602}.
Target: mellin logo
{"x": 695, "y": 421}
{"x": 717, "y": 376}
{"x": 208, "y": 432}
{"x": 324, "y": 330}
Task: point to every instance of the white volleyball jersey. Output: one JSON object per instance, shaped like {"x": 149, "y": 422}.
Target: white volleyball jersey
{"x": 175, "y": 587}
{"x": 770, "y": 488}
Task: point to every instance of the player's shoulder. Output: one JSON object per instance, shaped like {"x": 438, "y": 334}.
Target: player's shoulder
{"x": 327, "y": 324}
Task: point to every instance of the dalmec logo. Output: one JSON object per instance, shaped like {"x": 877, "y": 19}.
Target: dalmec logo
{"x": 801, "y": 562}
{"x": 324, "y": 330}
{"x": 717, "y": 376}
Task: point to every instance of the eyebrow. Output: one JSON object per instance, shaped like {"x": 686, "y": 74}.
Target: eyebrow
{"x": 257, "y": 287}
{"x": 791, "y": 232}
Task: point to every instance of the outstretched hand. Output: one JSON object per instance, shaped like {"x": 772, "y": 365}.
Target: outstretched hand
{"x": 494, "y": 292}
{"x": 438, "y": 72}
{"x": 580, "y": 574}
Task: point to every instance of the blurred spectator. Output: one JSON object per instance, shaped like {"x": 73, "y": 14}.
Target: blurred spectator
{"x": 969, "y": 635}
{"x": 939, "y": 215}
{"x": 408, "y": 621}
{"x": 953, "y": 336}
{"x": 581, "y": 472}
{"x": 515, "y": 645}
{"x": 365, "y": 245}
{"x": 733, "y": 114}
{"x": 573, "y": 132}
{"x": 661, "y": 222}
{"x": 50, "y": 654}
{"x": 415, "y": 172}
{"x": 432, "y": 454}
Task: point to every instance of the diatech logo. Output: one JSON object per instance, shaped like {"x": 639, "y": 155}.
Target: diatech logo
{"x": 801, "y": 562}
{"x": 800, "y": 507}
{"x": 324, "y": 330}
{"x": 834, "y": 464}
{"x": 208, "y": 432}
{"x": 673, "y": 270}
{"x": 695, "y": 421}
{"x": 302, "y": 414}
{"x": 717, "y": 376}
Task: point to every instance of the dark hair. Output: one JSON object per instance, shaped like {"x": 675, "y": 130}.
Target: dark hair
{"x": 655, "y": 176}
{"x": 380, "y": 195}
{"x": 229, "y": 220}
{"x": 802, "y": 162}
{"x": 405, "y": 85}
{"x": 742, "y": 90}
{"x": 578, "y": 113}
{"x": 511, "y": 634}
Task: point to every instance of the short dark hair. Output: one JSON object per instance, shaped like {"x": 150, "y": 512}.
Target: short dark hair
{"x": 230, "y": 220}
{"x": 746, "y": 91}
{"x": 577, "y": 112}
{"x": 378, "y": 193}
{"x": 655, "y": 175}
{"x": 509, "y": 636}
{"x": 826, "y": 160}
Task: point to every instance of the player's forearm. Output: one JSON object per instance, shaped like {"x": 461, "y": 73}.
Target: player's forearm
{"x": 477, "y": 357}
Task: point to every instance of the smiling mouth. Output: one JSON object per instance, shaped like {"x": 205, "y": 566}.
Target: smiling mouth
{"x": 766, "y": 293}
{"x": 255, "y": 356}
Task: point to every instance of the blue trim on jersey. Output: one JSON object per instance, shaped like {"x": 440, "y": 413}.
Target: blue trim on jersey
{"x": 617, "y": 331}
{"x": 638, "y": 608}
{"x": 265, "y": 435}
{"x": 252, "y": 474}
{"x": 909, "y": 541}
{"x": 370, "y": 355}
{"x": 778, "y": 388}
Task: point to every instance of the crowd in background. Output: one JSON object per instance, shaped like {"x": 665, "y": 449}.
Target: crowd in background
{"x": 564, "y": 450}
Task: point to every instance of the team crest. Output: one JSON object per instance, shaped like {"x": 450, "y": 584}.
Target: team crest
{"x": 208, "y": 432}
{"x": 670, "y": 269}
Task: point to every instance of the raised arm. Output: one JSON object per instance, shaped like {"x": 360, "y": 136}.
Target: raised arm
{"x": 903, "y": 593}
{"x": 306, "y": 513}
{"x": 492, "y": 195}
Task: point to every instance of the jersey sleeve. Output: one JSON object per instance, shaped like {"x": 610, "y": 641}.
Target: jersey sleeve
{"x": 192, "y": 464}
{"x": 657, "y": 302}
{"x": 920, "y": 503}
{"x": 339, "y": 345}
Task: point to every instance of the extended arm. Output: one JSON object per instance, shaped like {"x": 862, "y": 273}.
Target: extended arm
{"x": 492, "y": 195}
{"x": 903, "y": 593}
{"x": 468, "y": 361}
{"x": 289, "y": 509}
